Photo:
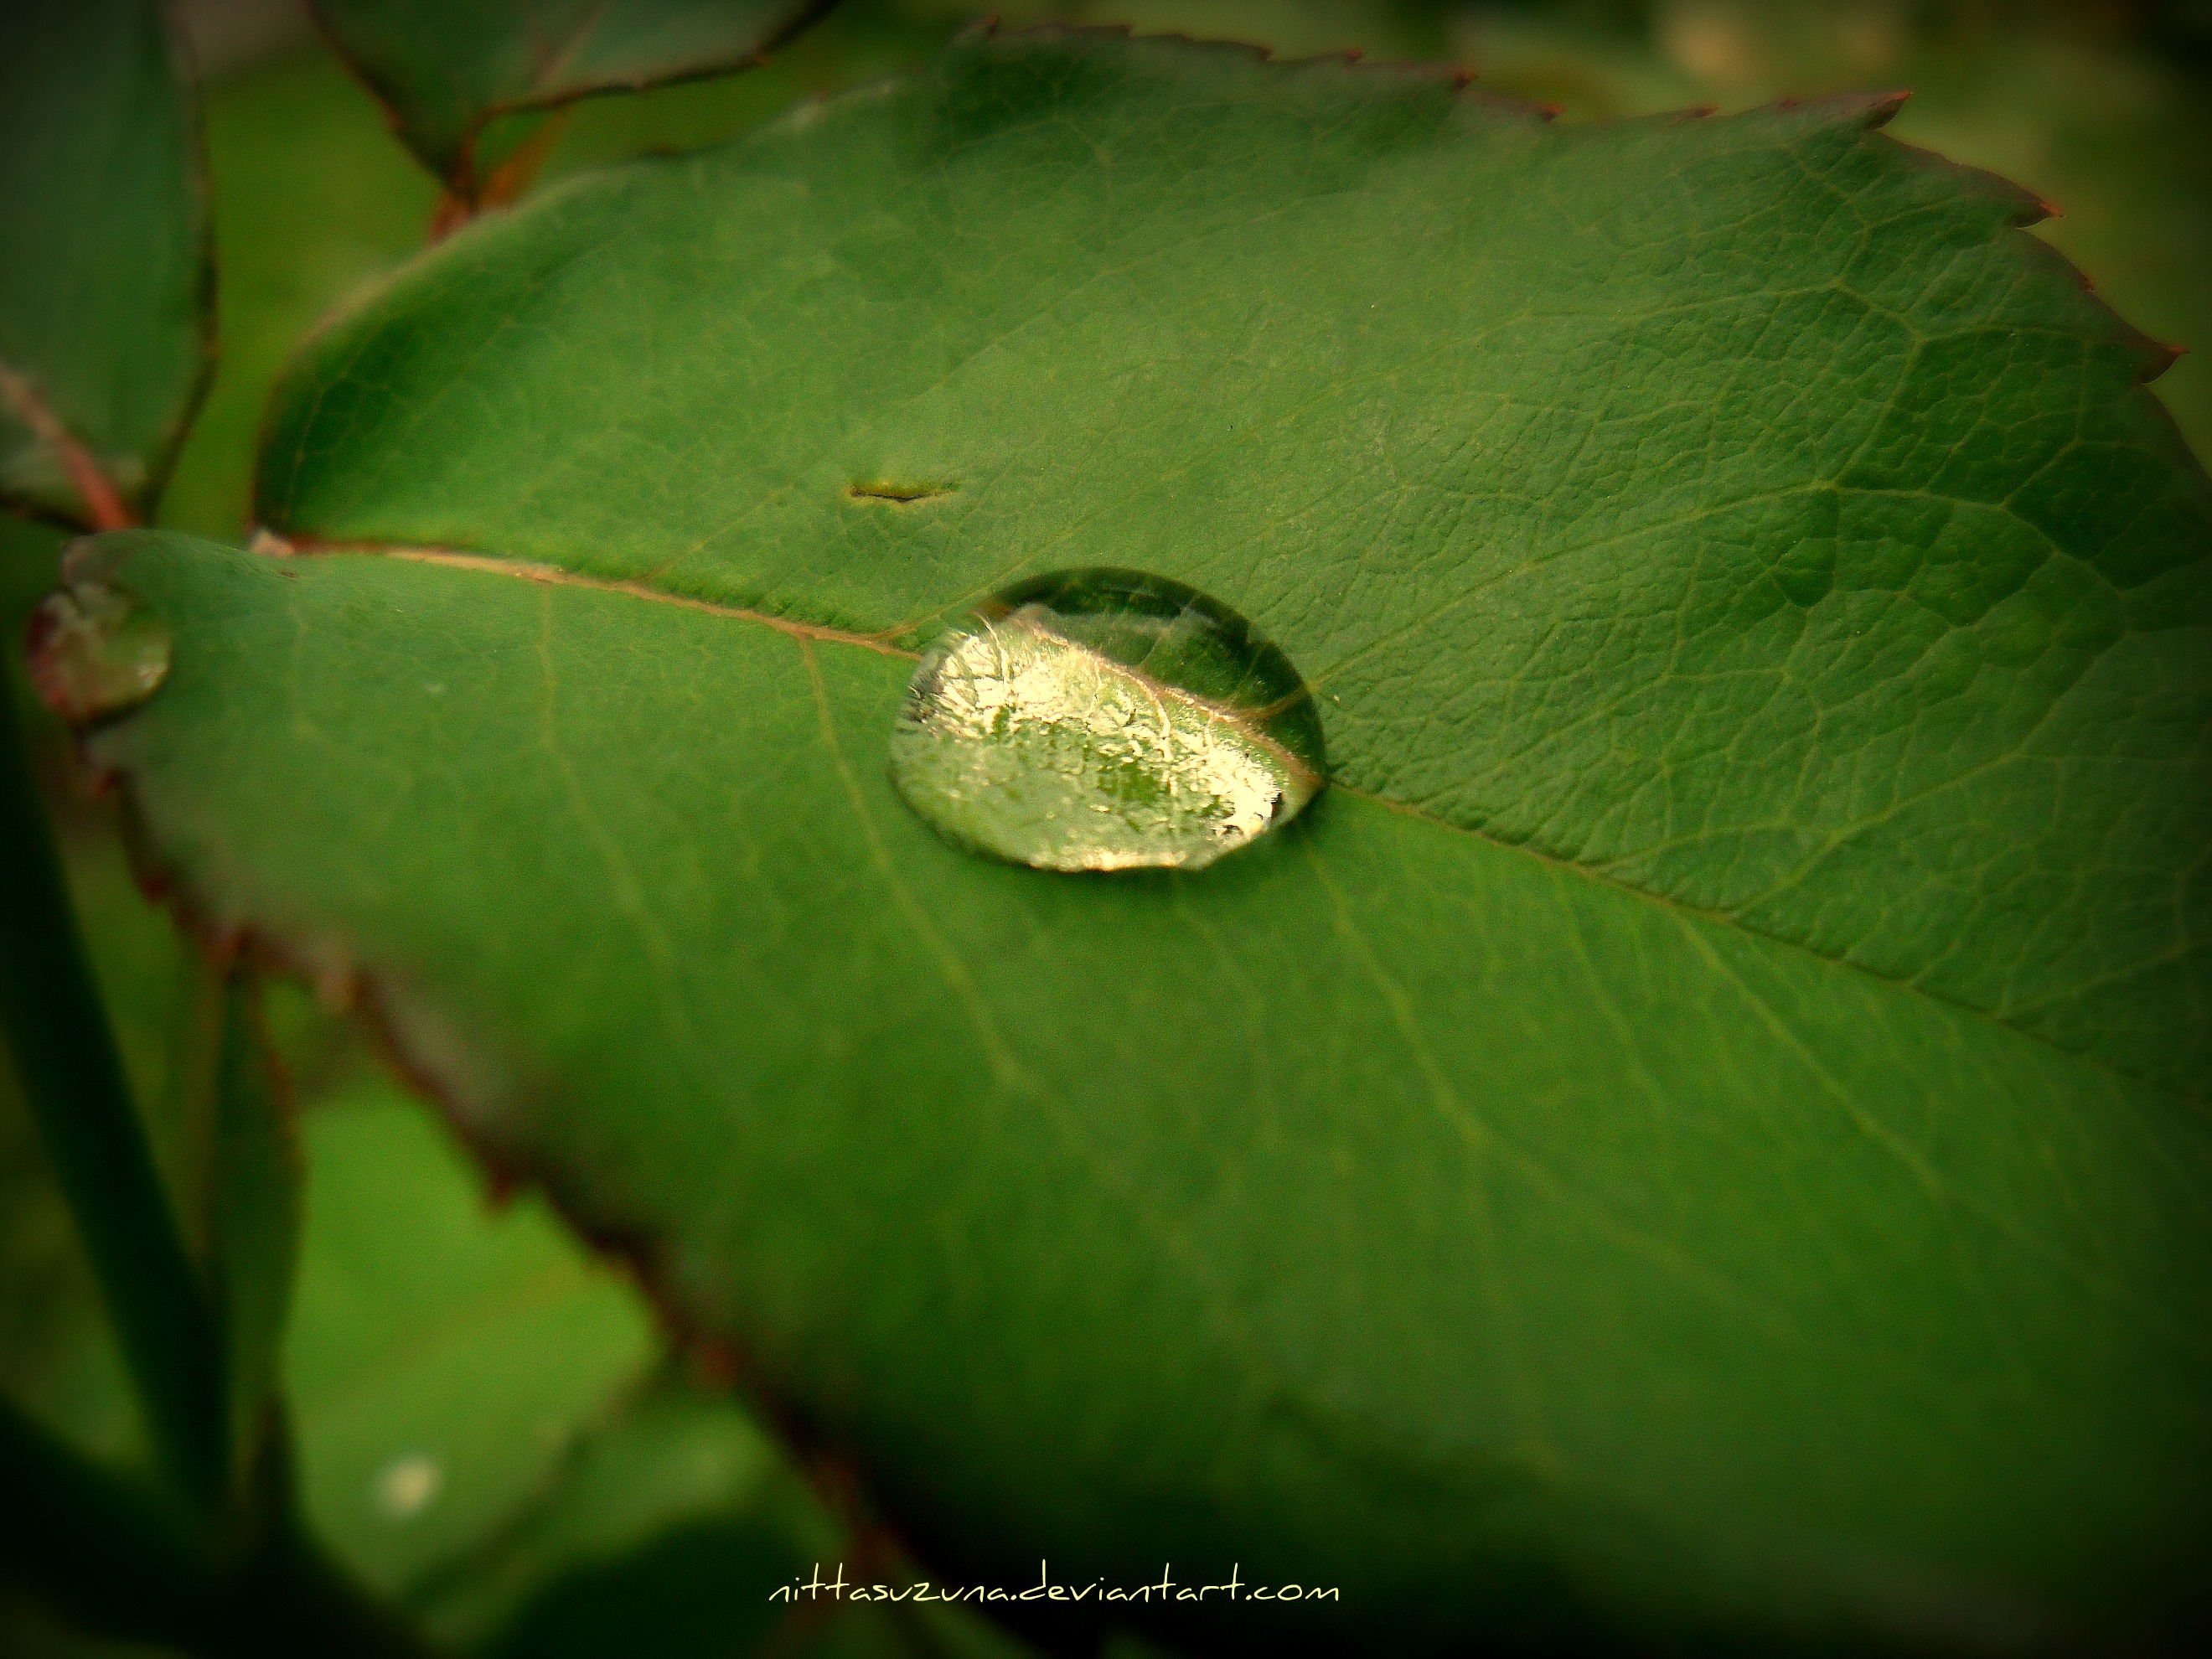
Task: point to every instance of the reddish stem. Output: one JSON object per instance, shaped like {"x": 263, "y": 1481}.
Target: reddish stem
{"x": 103, "y": 507}
{"x": 507, "y": 183}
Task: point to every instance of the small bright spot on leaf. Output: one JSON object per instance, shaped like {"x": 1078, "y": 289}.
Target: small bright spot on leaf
{"x": 408, "y": 1485}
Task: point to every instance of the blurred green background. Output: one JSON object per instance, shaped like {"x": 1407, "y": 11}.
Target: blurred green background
{"x": 491, "y": 1427}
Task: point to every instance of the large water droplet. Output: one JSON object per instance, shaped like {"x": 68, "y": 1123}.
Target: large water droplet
{"x": 95, "y": 650}
{"x": 1106, "y": 720}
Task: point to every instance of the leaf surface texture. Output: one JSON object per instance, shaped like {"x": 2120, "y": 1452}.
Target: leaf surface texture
{"x": 1701, "y": 1126}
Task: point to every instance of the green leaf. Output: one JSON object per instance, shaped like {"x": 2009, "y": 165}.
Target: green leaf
{"x": 671, "y": 1532}
{"x": 313, "y": 203}
{"x": 251, "y": 1208}
{"x": 446, "y": 68}
{"x": 1387, "y": 30}
{"x": 479, "y": 1433}
{"x": 29, "y": 1633}
{"x": 1700, "y": 1127}
{"x": 58, "y": 1357}
{"x": 233, "y": 1158}
{"x": 210, "y": 1105}
{"x": 678, "y": 1512}
{"x": 57, "y": 1352}
{"x": 2100, "y": 121}
{"x": 107, "y": 287}
{"x": 441, "y": 1359}
{"x": 856, "y": 42}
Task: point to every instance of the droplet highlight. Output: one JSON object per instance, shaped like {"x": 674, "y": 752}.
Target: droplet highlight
{"x": 95, "y": 650}
{"x": 1106, "y": 720}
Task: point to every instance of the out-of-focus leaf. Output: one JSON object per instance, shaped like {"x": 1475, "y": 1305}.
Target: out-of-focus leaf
{"x": 458, "y": 1384}
{"x": 673, "y": 1523}
{"x": 1700, "y": 1128}
{"x": 446, "y": 68}
{"x": 313, "y": 203}
{"x": 30, "y": 557}
{"x": 2062, "y": 99}
{"x": 443, "y": 1357}
{"x": 668, "y": 1533}
{"x": 1382, "y": 30}
{"x": 28, "y": 1632}
{"x": 249, "y": 1205}
{"x": 58, "y": 1357}
{"x": 859, "y": 41}
{"x": 107, "y": 287}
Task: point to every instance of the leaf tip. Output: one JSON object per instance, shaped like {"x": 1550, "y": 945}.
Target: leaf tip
{"x": 2159, "y": 356}
{"x": 1880, "y": 108}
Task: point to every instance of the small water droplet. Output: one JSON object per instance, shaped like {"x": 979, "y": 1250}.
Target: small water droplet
{"x": 408, "y": 1485}
{"x": 1106, "y": 720}
{"x": 95, "y": 650}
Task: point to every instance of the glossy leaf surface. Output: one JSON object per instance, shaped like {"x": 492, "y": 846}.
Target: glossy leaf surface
{"x": 1701, "y": 1126}
{"x": 107, "y": 292}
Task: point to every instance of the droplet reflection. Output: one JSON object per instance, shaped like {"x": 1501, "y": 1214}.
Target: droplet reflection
{"x": 94, "y": 651}
{"x": 1106, "y": 720}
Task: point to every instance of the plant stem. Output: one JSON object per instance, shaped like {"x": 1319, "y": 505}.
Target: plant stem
{"x": 103, "y": 1549}
{"x": 289, "y": 1597}
{"x": 214, "y": 1574}
{"x": 64, "y": 1052}
{"x": 103, "y": 508}
{"x": 114, "y": 1556}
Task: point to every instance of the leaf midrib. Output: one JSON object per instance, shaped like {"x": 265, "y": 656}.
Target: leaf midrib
{"x": 880, "y": 643}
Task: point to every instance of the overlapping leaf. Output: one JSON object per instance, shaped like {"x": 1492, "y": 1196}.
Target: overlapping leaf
{"x": 447, "y": 68}
{"x": 444, "y": 1359}
{"x": 1700, "y": 1127}
{"x": 478, "y": 1440}
{"x": 107, "y": 292}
